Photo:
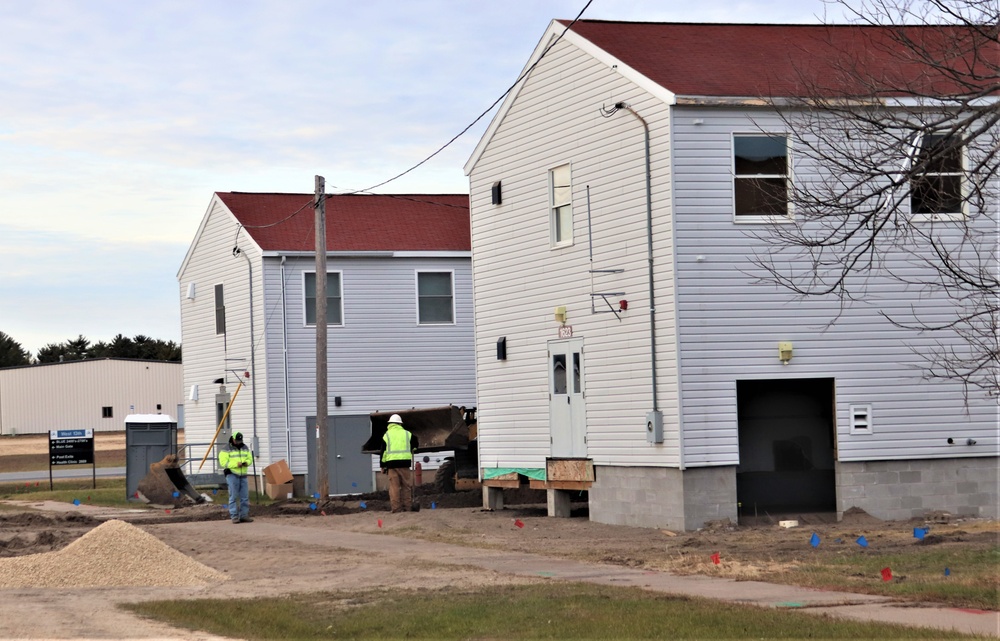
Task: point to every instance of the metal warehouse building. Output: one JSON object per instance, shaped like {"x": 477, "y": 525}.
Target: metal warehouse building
{"x": 91, "y": 394}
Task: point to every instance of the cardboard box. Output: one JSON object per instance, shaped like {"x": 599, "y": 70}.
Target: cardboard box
{"x": 279, "y": 491}
{"x": 278, "y": 473}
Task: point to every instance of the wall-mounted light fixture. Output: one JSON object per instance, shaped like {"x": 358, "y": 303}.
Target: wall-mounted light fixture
{"x": 190, "y": 293}
{"x": 560, "y": 314}
{"x": 784, "y": 352}
{"x": 193, "y": 395}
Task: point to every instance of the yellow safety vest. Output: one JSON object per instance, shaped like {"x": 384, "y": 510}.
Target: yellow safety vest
{"x": 397, "y": 444}
{"x": 230, "y": 458}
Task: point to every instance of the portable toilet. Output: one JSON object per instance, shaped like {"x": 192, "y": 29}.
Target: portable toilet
{"x": 148, "y": 438}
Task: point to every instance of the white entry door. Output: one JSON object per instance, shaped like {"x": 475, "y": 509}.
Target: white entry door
{"x": 567, "y": 413}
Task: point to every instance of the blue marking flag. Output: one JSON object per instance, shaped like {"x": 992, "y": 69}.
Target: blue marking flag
{"x": 76, "y": 501}
{"x": 354, "y": 483}
{"x": 176, "y": 494}
{"x": 433, "y": 505}
{"x": 947, "y": 572}
{"x": 312, "y": 506}
{"x": 364, "y": 506}
{"x": 316, "y": 495}
{"x": 862, "y": 541}
{"x": 919, "y": 532}
{"x": 814, "y": 540}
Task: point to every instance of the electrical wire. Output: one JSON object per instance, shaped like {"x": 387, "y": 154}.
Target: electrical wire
{"x": 502, "y": 96}
{"x": 488, "y": 110}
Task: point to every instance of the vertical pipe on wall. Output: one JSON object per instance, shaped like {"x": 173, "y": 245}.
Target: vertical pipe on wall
{"x": 649, "y": 248}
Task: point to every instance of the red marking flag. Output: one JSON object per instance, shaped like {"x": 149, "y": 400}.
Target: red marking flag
{"x": 380, "y": 522}
{"x": 518, "y": 522}
{"x": 715, "y": 558}
{"x": 886, "y": 574}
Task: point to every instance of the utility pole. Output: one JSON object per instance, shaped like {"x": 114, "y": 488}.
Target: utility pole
{"x": 322, "y": 473}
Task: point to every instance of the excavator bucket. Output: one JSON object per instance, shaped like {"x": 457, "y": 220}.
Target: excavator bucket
{"x": 436, "y": 428}
{"x": 165, "y": 479}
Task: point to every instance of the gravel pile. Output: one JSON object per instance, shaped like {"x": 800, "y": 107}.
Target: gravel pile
{"x": 114, "y": 554}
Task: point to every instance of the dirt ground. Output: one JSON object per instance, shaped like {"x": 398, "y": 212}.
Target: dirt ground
{"x": 259, "y": 566}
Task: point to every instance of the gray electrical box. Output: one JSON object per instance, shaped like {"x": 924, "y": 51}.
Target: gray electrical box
{"x": 654, "y": 427}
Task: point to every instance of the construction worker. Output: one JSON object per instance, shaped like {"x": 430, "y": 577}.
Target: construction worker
{"x": 397, "y": 457}
{"x": 235, "y": 461}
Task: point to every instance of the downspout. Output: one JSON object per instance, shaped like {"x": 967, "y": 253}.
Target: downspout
{"x": 253, "y": 351}
{"x": 649, "y": 249}
{"x": 284, "y": 365}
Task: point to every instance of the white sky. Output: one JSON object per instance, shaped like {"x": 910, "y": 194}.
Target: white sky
{"x": 118, "y": 120}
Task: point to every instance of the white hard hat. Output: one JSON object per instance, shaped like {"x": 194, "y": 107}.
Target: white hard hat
{"x": 395, "y": 418}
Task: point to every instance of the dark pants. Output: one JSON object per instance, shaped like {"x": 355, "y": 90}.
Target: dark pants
{"x": 400, "y": 489}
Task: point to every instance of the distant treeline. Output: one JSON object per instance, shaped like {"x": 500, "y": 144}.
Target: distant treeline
{"x": 12, "y": 354}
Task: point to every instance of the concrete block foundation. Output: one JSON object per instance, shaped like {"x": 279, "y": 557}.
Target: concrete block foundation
{"x": 663, "y": 497}
{"x": 903, "y": 490}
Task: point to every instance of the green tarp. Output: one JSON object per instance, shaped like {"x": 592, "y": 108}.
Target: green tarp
{"x": 537, "y": 473}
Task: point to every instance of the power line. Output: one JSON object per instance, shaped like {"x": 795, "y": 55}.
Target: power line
{"x": 444, "y": 146}
{"x": 488, "y": 110}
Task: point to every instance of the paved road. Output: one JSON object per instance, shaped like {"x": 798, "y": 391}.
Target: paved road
{"x": 78, "y": 472}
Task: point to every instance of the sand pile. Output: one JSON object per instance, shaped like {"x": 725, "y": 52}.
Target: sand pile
{"x": 114, "y": 554}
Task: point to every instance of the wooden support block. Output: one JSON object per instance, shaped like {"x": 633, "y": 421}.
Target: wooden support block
{"x": 560, "y": 485}
{"x": 569, "y": 469}
{"x": 502, "y": 483}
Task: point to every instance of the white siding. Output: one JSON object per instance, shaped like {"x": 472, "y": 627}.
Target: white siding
{"x": 39, "y": 398}
{"x": 209, "y": 356}
{"x": 730, "y": 327}
{"x": 379, "y": 359}
{"x": 519, "y": 280}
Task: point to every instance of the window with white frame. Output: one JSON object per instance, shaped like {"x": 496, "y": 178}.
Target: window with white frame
{"x": 435, "y": 298}
{"x": 936, "y": 188}
{"x": 760, "y": 175}
{"x": 561, "y": 205}
{"x": 334, "y": 298}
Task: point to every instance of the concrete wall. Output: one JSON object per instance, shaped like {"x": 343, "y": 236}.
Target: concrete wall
{"x": 663, "y": 497}
{"x": 900, "y": 490}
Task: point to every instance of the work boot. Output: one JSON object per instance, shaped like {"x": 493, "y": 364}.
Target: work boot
{"x": 246, "y": 519}
{"x": 236, "y": 519}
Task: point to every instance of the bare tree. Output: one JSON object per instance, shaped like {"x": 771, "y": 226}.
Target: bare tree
{"x": 897, "y": 140}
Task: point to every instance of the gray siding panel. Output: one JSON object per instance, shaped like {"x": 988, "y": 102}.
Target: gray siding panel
{"x": 556, "y": 119}
{"x": 380, "y": 359}
{"x": 729, "y": 326}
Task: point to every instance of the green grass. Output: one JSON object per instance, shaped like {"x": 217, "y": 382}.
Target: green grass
{"x": 544, "y": 611}
{"x": 918, "y": 575}
{"x": 40, "y": 462}
{"x": 109, "y": 492}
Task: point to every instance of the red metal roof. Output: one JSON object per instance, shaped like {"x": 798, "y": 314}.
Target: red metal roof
{"x": 356, "y": 222}
{"x": 754, "y": 60}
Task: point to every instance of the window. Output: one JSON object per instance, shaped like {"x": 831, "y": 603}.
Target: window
{"x": 334, "y": 300}
{"x": 561, "y": 204}
{"x": 220, "y": 311}
{"x": 760, "y": 175}
{"x": 107, "y": 412}
{"x": 938, "y": 188}
{"x": 435, "y": 298}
